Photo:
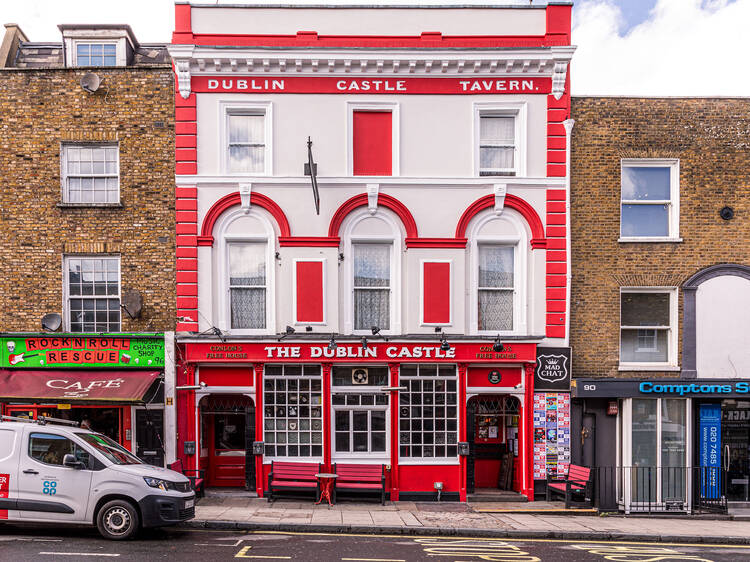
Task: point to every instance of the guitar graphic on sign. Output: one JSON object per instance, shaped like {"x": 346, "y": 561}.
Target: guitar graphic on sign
{"x": 15, "y": 359}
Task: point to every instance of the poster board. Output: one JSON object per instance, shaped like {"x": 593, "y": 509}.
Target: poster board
{"x": 551, "y": 434}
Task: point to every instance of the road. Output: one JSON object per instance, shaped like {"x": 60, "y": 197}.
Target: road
{"x": 22, "y": 544}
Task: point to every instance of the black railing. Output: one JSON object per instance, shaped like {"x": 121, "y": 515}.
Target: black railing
{"x": 639, "y": 489}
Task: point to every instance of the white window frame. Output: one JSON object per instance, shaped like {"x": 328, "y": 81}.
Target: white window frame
{"x": 318, "y": 459}
{"x": 520, "y": 273}
{"x": 673, "y": 214}
{"x": 396, "y": 241}
{"x": 64, "y": 191}
{"x": 518, "y": 110}
{"x": 66, "y": 290}
{"x": 672, "y": 335}
{"x": 374, "y": 106}
{"x": 370, "y": 456}
{"x": 222, "y": 262}
{"x": 119, "y": 43}
{"x": 625, "y": 451}
{"x": 297, "y": 321}
{"x": 229, "y": 108}
{"x": 422, "y": 323}
{"x": 404, "y": 461}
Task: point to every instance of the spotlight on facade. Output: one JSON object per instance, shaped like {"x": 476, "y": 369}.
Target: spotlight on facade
{"x": 332, "y": 343}
{"x": 444, "y": 345}
{"x": 364, "y": 342}
{"x": 287, "y": 332}
{"x": 376, "y": 332}
{"x": 498, "y": 345}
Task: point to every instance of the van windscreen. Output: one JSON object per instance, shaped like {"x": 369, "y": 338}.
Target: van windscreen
{"x": 110, "y": 449}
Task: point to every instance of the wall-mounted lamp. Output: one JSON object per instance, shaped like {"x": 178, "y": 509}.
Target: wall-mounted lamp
{"x": 332, "y": 344}
{"x": 287, "y": 332}
{"x": 498, "y": 345}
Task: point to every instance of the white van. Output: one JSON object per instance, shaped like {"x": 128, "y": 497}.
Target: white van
{"x": 52, "y": 473}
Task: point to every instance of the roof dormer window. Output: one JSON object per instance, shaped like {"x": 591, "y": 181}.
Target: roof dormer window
{"x": 95, "y": 54}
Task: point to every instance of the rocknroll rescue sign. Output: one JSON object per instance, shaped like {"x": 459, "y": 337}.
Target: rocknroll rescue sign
{"x": 81, "y": 351}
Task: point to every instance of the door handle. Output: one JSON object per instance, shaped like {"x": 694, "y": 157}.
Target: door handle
{"x": 30, "y": 471}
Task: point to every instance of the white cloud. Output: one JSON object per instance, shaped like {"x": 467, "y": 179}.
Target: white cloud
{"x": 685, "y": 48}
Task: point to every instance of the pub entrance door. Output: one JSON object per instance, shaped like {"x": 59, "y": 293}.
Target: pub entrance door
{"x": 228, "y": 430}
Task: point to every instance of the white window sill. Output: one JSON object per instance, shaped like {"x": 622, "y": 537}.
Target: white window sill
{"x": 648, "y": 367}
{"x": 76, "y": 205}
{"x": 627, "y": 239}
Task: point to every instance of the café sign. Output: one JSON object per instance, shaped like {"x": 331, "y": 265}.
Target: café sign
{"x": 81, "y": 351}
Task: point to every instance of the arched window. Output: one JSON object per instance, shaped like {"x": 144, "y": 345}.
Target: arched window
{"x": 243, "y": 262}
{"x": 498, "y": 275}
{"x": 372, "y": 272}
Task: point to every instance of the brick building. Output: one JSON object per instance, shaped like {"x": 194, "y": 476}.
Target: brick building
{"x": 87, "y": 221}
{"x": 661, "y": 296}
{"x": 413, "y": 301}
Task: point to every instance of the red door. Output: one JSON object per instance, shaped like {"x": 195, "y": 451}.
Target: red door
{"x": 225, "y": 427}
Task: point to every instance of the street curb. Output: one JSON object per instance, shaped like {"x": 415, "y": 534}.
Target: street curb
{"x": 464, "y": 532}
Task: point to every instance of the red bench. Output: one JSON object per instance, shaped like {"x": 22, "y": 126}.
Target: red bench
{"x": 196, "y": 477}
{"x": 578, "y": 482}
{"x": 360, "y": 478}
{"x": 296, "y": 477}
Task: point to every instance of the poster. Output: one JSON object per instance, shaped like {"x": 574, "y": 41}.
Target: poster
{"x": 551, "y": 434}
{"x": 710, "y": 450}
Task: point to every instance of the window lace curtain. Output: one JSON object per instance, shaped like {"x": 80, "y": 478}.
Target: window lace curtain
{"x": 246, "y": 146}
{"x": 372, "y": 276}
{"x": 497, "y": 140}
{"x": 496, "y": 283}
{"x": 247, "y": 285}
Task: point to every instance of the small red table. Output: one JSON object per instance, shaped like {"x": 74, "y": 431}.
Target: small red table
{"x": 326, "y": 485}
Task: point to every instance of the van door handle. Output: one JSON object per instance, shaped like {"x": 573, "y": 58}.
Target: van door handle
{"x": 30, "y": 471}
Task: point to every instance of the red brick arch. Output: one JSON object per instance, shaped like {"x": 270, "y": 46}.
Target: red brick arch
{"x": 383, "y": 201}
{"x": 538, "y": 239}
{"x": 206, "y": 237}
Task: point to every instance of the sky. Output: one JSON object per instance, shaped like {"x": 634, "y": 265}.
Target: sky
{"x": 625, "y": 47}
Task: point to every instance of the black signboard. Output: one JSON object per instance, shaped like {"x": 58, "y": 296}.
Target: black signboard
{"x": 552, "y": 368}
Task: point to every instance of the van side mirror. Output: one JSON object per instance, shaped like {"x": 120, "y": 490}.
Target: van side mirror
{"x": 72, "y": 462}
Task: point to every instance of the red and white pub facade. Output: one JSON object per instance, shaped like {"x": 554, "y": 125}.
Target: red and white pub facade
{"x": 400, "y": 323}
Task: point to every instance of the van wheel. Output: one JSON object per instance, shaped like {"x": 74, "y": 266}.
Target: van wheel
{"x": 117, "y": 520}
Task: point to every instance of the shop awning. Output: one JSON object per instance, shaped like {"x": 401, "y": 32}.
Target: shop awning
{"x": 74, "y": 386}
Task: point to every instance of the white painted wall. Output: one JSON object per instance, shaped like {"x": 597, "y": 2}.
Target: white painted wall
{"x": 380, "y": 21}
{"x": 436, "y": 132}
{"x": 723, "y": 327}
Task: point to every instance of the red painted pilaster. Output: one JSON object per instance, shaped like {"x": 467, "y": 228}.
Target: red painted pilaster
{"x": 327, "y": 416}
{"x": 393, "y": 367}
{"x": 258, "y": 367}
{"x": 462, "y": 436}
{"x": 527, "y": 447}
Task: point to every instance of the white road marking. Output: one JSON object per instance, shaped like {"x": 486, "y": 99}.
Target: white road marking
{"x": 80, "y": 554}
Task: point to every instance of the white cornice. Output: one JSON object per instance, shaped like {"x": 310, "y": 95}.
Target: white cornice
{"x": 258, "y": 182}
{"x": 551, "y": 61}
{"x": 182, "y": 57}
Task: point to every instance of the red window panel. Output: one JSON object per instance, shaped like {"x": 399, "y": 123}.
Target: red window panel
{"x": 372, "y": 143}
{"x": 436, "y": 293}
{"x": 310, "y": 291}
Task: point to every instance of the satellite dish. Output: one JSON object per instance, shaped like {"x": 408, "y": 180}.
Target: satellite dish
{"x": 132, "y": 301}
{"x": 51, "y": 322}
{"x": 90, "y": 82}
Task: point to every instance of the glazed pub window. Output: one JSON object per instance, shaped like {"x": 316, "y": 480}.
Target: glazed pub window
{"x": 359, "y": 410}
{"x": 96, "y": 54}
{"x": 246, "y": 142}
{"x": 649, "y": 199}
{"x": 90, "y": 173}
{"x": 646, "y": 331}
{"x": 428, "y": 413}
{"x": 92, "y": 289}
{"x": 372, "y": 285}
{"x": 293, "y": 411}
{"x": 496, "y": 287}
{"x": 497, "y": 145}
{"x": 247, "y": 284}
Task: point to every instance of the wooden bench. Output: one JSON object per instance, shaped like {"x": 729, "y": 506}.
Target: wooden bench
{"x": 360, "y": 478}
{"x": 196, "y": 477}
{"x": 577, "y": 482}
{"x": 295, "y": 477}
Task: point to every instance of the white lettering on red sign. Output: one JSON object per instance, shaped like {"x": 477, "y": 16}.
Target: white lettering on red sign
{"x": 246, "y": 84}
{"x": 76, "y": 389}
{"x": 374, "y": 85}
{"x": 358, "y": 352}
{"x": 497, "y": 85}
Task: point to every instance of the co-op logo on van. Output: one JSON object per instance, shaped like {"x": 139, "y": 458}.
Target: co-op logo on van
{"x": 77, "y": 389}
{"x": 552, "y": 368}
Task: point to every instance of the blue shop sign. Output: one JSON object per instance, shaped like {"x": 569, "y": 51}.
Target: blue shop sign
{"x": 683, "y": 388}
{"x": 709, "y": 450}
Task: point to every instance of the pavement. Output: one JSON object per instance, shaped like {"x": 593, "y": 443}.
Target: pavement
{"x": 485, "y": 519}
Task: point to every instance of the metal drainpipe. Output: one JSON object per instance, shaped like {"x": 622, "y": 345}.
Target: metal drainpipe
{"x": 568, "y": 124}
